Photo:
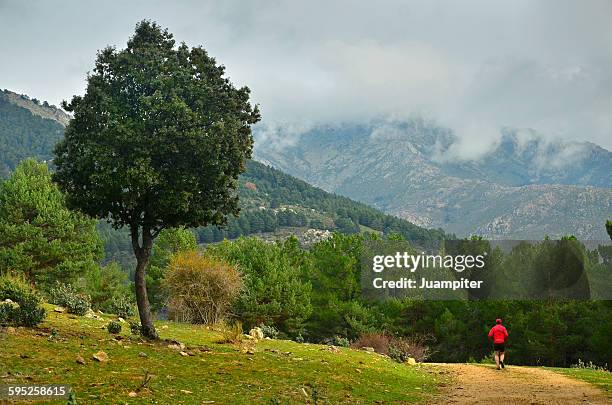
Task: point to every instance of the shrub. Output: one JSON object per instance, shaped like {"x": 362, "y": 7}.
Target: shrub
{"x": 400, "y": 349}
{"x": 104, "y": 285}
{"x": 201, "y": 289}
{"x": 114, "y": 327}
{"x": 232, "y": 333}
{"x": 122, "y": 306}
{"x": 337, "y": 341}
{"x": 135, "y": 328}
{"x": 274, "y": 292}
{"x": 25, "y": 309}
{"x": 378, "y": 341}
{"x": 269, "y": 331}
{"x": 590, "y": 366}
{"x": 66, "y": 296}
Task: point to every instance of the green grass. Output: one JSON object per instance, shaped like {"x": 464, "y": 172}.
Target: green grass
{"x": 601, "y": 379}
{"x": 225, "y": 373}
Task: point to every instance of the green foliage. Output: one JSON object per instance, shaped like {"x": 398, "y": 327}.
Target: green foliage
{"x": 274, "y": 293}
{"x": 269, "y": 331}
{"x": 39, "y": 237}
{"x": 338, "y": 341}
{"x": 157, "y": 141}
{"x": 609, "y": 228}
{"x": 67, "y": 296}
{"x": 105, "y": 286}
{"x": 160, "y": 135}
{"x": 122, "y": 306}
{"x": 262, "y": 186}
{"x": 25, "y": 309}
{"x": 135, "y": 328}
{"x": 23, "y": 134}
{"x": 113, "y": 327}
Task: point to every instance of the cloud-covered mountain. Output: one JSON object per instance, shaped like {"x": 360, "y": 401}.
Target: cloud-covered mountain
{"x": 524, "y": 186}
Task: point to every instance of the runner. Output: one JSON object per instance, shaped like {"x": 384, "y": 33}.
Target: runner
{"x": 499, "y": 335}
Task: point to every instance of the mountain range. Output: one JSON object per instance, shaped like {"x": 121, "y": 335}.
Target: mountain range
{"x": 273, "y": 204}
{"x": 525, "y": 187}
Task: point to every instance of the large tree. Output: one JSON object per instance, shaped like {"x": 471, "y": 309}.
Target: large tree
{"x": 39, "y": 237}
{"x": 157, "y": 141}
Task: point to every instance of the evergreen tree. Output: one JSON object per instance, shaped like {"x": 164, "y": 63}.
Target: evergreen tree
{"x": 157, "y": 141}
{"x": 39, "y": 236}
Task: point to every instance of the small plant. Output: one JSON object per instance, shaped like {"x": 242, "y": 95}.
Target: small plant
{"x": 378, "y": 341}
{"x": 233, "y": 333}
{"x": 53, "y": 335}
{"x": 66, "y": 296}
{"x": 24, "y": 309}
{"x": 338, "y": 341}
{"x": 71, "y": 399}
{"x": 299, "y": 338}
{"x": 316, "y": 398}
{"x": 269, "y": 331}
{"x": 122, "y": 306}
{"x": 114, "y": 327}
{"x": 590, "y": 366}
{"x": 135, "y": 328}
{"x": 400, "y": 349}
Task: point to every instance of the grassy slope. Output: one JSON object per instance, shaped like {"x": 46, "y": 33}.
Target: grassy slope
{"x": 601, "y": 379}
{"x": 224, "y": 373}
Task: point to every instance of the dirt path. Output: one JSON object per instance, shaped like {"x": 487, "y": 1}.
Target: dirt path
{"x": 475, "y": 384}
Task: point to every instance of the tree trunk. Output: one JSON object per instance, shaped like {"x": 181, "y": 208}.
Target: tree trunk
{"x": 142, "y": 251}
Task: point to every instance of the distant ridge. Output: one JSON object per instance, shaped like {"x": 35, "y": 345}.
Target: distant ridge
{"x": 42, "y": 109}
{"x": 527, "y": 187}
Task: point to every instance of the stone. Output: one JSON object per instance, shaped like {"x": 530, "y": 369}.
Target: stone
{"x": 100, "y": 356}
{"x": 184, "y": 354}
{"x": 120, "y": 319}
{"x": 142, "y": 354}
{"x": 80, "y": 360}
{"x": 60, "y": 310}
{"x": 133, "y": 394}
{"x": 410, "y": 361}
{"x": 10, "y": 330}
{"x": 368, "y": 349}
{"x": 257, "y": 333}
{"x": 90, "y": 314}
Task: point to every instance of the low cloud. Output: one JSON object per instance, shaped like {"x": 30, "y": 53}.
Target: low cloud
{"x": 476, "y": 66}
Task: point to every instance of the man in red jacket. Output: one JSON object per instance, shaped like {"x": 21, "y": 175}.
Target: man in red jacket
{"x": 499, "y": 335}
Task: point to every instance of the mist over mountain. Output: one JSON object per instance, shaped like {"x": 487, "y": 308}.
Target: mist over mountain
{"x": 273, "y": 204}
{"x": 525, "y": 186}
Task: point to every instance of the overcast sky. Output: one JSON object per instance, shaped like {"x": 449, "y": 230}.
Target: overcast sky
{"x": 474, "y": 66}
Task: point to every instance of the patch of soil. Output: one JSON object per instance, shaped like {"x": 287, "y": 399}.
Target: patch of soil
{"x": 478, "y": 384}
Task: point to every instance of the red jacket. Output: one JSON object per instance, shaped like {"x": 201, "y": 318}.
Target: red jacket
{"x": 499, "y": 334}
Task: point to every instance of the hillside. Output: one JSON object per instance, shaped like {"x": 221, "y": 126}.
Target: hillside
{"x": 273, "y": 204}
{"x": 523, "y": 189}
{"x": 205, "y": 370}
{"x": 27, "y": 128}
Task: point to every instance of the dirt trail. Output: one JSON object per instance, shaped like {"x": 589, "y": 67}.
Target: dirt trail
{"x": 475, "y": 384}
